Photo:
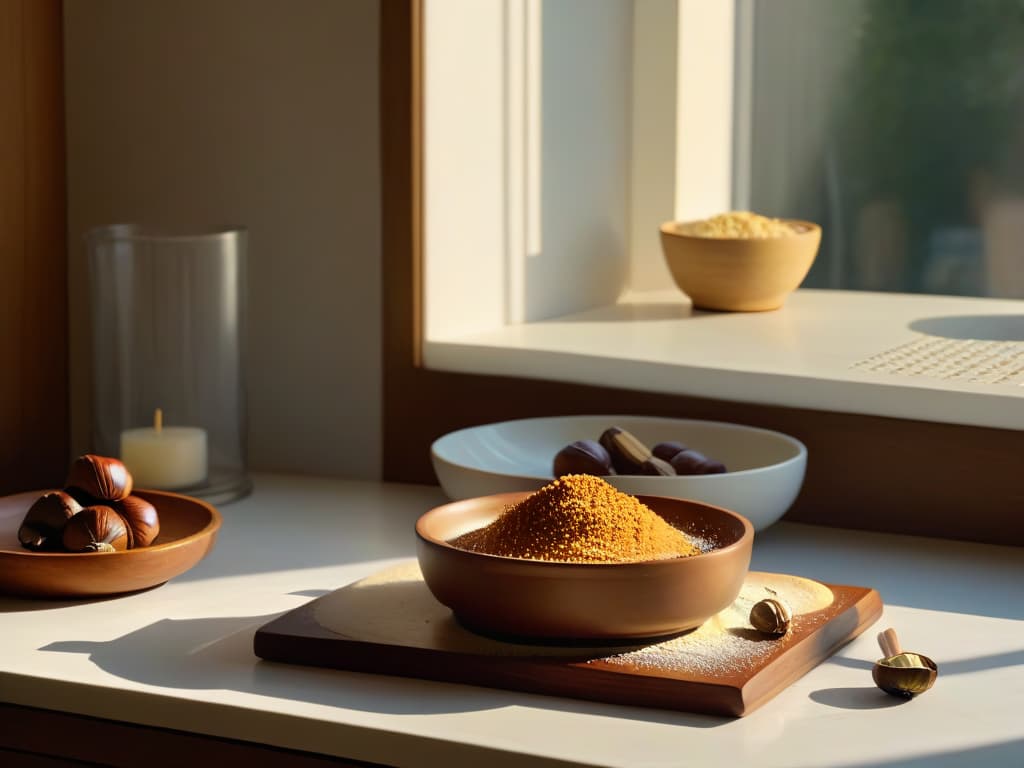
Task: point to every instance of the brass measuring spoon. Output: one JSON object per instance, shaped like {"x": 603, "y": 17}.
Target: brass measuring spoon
{"x": 902, "y": 673}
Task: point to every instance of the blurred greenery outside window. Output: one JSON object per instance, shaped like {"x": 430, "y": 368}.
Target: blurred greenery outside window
{"x": 899, "y": 125}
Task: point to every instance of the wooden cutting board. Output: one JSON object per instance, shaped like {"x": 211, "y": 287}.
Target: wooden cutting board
{"x": 390, "y": 624}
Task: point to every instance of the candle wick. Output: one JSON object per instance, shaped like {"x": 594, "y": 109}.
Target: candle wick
{"x": 158, "y": 420}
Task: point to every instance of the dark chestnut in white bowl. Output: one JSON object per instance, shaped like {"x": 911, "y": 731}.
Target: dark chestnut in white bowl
{"x": 765, "y": 469}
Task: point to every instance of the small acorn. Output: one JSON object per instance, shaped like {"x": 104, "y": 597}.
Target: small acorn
{"x": 43, "y": 526}
{"x": 771, "y": 616}
{"x": 96, "y": 529}
{"x": 140, "y": 518}
{"x": 100, "y": 477}
{"x": 900, "y": 673}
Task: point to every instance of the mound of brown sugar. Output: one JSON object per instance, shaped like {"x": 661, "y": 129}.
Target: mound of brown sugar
{"x": 579, "y": 519}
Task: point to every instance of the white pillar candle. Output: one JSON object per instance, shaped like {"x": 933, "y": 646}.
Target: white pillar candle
{"x": 167, "y": 458}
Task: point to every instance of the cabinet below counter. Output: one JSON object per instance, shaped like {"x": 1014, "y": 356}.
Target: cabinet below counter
{"x": 168, "y": 675}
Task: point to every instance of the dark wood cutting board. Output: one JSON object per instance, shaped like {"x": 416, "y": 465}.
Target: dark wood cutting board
{"x": 391, "y": 624}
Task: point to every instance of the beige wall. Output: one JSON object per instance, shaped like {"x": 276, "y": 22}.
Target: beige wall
{"x": 254, "y": 112}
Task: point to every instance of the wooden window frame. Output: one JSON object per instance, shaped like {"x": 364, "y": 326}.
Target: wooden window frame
{"x": 864, "y": 472}
{"x": 34, "y": 410}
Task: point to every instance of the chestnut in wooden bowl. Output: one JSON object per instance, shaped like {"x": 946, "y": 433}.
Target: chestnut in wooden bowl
{"x": 188, "y": 530}
{"x": 544, "y": 600}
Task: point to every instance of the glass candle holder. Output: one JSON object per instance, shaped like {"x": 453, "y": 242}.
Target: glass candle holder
{"x": 168, "y": 316}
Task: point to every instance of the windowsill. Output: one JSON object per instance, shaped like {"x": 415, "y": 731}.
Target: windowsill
{"x": 812, "y": 353}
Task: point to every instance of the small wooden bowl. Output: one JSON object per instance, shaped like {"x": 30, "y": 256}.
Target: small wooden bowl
{"x": 540, "y": 600}
{"x": 188, "y": 530}
{"x": 739, "y": 274}
{"x": 905, "y": 675}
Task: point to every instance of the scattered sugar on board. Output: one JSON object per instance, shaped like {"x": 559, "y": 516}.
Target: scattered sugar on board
{"x": 726, "y": 643}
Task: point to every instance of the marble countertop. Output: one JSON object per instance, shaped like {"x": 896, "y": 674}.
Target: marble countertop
{"x": 180, "y": 655}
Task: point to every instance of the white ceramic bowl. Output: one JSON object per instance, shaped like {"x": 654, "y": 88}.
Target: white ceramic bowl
{"x": 765, "y": 468}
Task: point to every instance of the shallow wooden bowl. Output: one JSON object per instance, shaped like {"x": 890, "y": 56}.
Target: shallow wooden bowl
{"x": 739, "y": 274}
{"x": 539, "y": 600}
{"x": 188, "y": 529}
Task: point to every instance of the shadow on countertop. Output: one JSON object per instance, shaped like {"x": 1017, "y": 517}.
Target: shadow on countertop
{"x": 217, "y": 653}
{"x": 972, "y": 327}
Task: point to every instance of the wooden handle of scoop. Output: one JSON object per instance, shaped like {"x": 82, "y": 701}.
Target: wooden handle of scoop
{"x": 889, "y": 643}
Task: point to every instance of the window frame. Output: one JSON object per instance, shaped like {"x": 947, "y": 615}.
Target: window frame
{"x": 865, "y": 472}
{"x": 35, "y": 391}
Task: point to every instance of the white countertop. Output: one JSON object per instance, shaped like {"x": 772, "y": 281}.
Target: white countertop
{"x": 949, "y": 359}
{"x": 180, "y": 655}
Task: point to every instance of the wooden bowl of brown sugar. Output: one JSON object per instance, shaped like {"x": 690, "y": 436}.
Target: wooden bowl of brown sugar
{"x": 538, "y": 599}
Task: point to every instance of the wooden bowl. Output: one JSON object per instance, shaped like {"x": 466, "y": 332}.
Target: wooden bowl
{"x": 739, "y": 274}
{"x": 188, "y": 529}
{"x": 540, "y": 600}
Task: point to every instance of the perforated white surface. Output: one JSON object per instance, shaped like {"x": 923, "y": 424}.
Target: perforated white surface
{"x": 973, "y": 360}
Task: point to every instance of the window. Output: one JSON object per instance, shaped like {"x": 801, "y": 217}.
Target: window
{"x": 579, "y": 127}
{"x": 647, "y": 352}
{"x": 897, "y": 124}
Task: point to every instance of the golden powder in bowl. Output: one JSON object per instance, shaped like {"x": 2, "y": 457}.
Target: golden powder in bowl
{"x": 740, "y": 224}
{"x": 579, "y": 519}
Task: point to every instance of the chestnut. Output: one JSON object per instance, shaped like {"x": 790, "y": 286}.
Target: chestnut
{"x": 100, "y": 477}
{"x": 141, "y": 520}
{"x": 691, "y": 462}
{"x": 84, "y": 499}
{"x": 667, "y": 449}
{"x": 584, "y": 457}
{"x": 630, "y": 456}
{"x": 96, "y": 529}
{"x": 44, "y": 522}
{"x": 656, "y": 466}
